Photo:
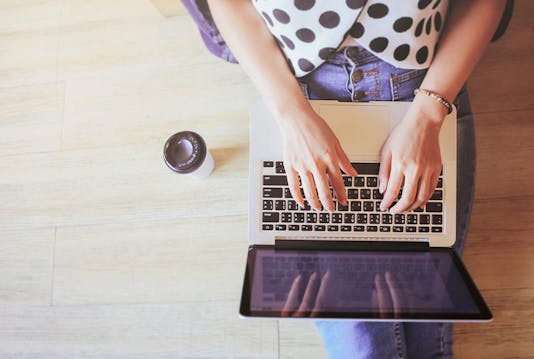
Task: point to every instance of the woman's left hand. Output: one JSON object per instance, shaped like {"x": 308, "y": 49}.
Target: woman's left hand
{"x": 411, "y": 153}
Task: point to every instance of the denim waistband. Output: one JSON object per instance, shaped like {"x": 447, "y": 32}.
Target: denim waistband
{"x": 357, "y": 54}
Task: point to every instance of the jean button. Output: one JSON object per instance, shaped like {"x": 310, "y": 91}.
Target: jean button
{"x": 357, "y": 76}
{"x": 358, "y": 95}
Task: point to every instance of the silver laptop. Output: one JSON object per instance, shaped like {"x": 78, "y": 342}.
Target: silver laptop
{"x": 355, "y": 262}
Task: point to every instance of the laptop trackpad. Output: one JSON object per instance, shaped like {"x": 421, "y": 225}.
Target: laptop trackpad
{"x": 360, "y": 129}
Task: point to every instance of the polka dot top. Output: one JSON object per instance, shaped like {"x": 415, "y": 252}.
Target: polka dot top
{"x": 402, "y": 33}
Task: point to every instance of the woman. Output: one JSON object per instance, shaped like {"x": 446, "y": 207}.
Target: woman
{"x": 358, "y": 50}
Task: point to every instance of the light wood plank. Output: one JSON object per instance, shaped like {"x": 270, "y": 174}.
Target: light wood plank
{"x": 200, "y": 329}
{"x": 169, "y": 8}
{"x": 26, "y": 265}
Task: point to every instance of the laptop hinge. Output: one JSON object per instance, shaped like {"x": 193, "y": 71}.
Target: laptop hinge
{"x": 333, "y": 244}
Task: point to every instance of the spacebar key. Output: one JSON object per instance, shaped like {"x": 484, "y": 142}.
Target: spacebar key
{"x": 269, "y": 217}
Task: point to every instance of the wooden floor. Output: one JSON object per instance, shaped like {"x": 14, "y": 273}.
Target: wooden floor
{"x": 104, "y": 253}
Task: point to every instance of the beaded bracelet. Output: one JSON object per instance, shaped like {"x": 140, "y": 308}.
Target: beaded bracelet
{"x": 436, "y": 97}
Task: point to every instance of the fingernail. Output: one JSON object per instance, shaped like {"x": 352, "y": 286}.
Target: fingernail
{"x": 381, "y": 188}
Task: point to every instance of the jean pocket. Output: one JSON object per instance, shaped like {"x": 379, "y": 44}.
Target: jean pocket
{"x": 404, "y": 83}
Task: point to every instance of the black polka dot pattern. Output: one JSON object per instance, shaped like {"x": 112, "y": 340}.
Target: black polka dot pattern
{"x": 281, "y": 16}
{"x": 401, "y": 52}
{"x": 402, "y": 24}
{"x": 288, "y": 42}
{"x": 422, "y": 54}
{"x": 355, "y": 4}
{"x": 305, "y": 35}
{"x": 309, "y": 32}
{"x": 357, "y": 30}
{"x": 305, "y": 65}
{"x": 377, "y": 11}
{"x": 304, "y": 4}
{"x": 379, "y": 44}
{"x": 329, "y": 19}
{"x": 268, "y": 18}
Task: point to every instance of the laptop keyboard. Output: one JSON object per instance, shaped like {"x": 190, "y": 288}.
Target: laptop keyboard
{"x": 280, "y": 212}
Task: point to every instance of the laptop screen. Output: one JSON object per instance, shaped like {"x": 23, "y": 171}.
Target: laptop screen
{"x": 382, "y": 284}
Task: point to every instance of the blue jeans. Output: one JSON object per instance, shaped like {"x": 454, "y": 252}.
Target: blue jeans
{"x": 354, "y": 74}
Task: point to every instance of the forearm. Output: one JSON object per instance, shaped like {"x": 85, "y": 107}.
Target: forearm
{"x": 258, "y": 54}
{"x": 469, "y": 29}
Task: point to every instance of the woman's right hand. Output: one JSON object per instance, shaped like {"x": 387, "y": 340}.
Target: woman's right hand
{"x": 313, "y": 152}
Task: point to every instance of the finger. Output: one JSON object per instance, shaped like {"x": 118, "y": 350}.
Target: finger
{"x": 292, "y": 303}
{"x": 319, "y": 300}
{"x": 433, "y": 184}
{"x": 337, "y": 184}
{"x": 424, "y": 192}
{"x": 344, "y": 162}
{"x": 392, "y": 190}
{"x": 382, "y": 295}
{"x": 309, "y": 295}
{"x": 308, "y": 184}
{"x": 393, "y": 290}
{"x": 384, "y": 170}
{"x": 409, "y": 193}
{"x": 294, "y": 188}
{"x": 323, "y": 190}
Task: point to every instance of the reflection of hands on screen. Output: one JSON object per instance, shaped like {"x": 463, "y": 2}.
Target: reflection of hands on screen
{"x": 312, "y": 300}
{"x": 389, "y": 296}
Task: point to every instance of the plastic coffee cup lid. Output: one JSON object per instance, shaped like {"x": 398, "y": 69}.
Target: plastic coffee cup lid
{"x": 184, "y": 152}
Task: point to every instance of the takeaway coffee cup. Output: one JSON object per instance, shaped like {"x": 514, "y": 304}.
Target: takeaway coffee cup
{"x": 186, "y": 153}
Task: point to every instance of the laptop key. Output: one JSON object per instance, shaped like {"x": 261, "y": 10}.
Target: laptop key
{"x": 287, "y": 193}
{"x": 267, "y": 227}
{"x": 366, "y": 168}
{"x": 359, "y": 182}
{"x": 424, "y": 219}
{"x": 341, "y": 207}
{"x": 368, "y": 206}
{"x": 424, "y": 229}
{"x": 385, "y": 228}
{"x": 437, "y": 195}
{"x": 319, "y": 227}
{"x": 292, "y": 205}
{"x": 374, "y": 218}
{"x": 280, "y": 227}
{"x": 347, "y": 181}
{"x": 269, "y": 192}
{"x": 365, "y": 193}
{"x": 437, "y": 229}
{"x": 298, "y": 217}
{"x": 400, "y": 218}
{"x": 324, "y": 217}
{"x": 311, "y": 217}
{"x": 411, "y": 229}
{"x": 387, "y": 218}
{"x": 398, "y": 229}
{"x": 286, "y": 217}
{"x": 361, "y": 218}
{"x": 348, "y": 218}
{"x": 280, "y": 205}
{"x": 293, "y": 227}
{"x": 434, "y": 207}
{"x": 337, "y": 218}
{"x": 345, "y": 228}
{"x": 355, "y": 206}
{"x": 267, "y": 204}
{"x": 359, "y": 228}
{"x": 268, "y": 164}
{"x": 377, "y": 194}
{"x": 372, "y": 181}
{"x": 418, "y": 209}
{"x": 333, "y": 228}
{"x": 372, "y": 228}
{"x": 306, "y": 227}
{"x": 440, "y": 182}
{"x": 437, "y": 219}
{"x": 411, "y": 218}
{"x": 352, "y": 193}
{"x": 270, "y": 217}
{"x": 274, "y": 180}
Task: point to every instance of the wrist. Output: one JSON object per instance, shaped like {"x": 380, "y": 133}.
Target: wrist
{"x": 431, "y": 110}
